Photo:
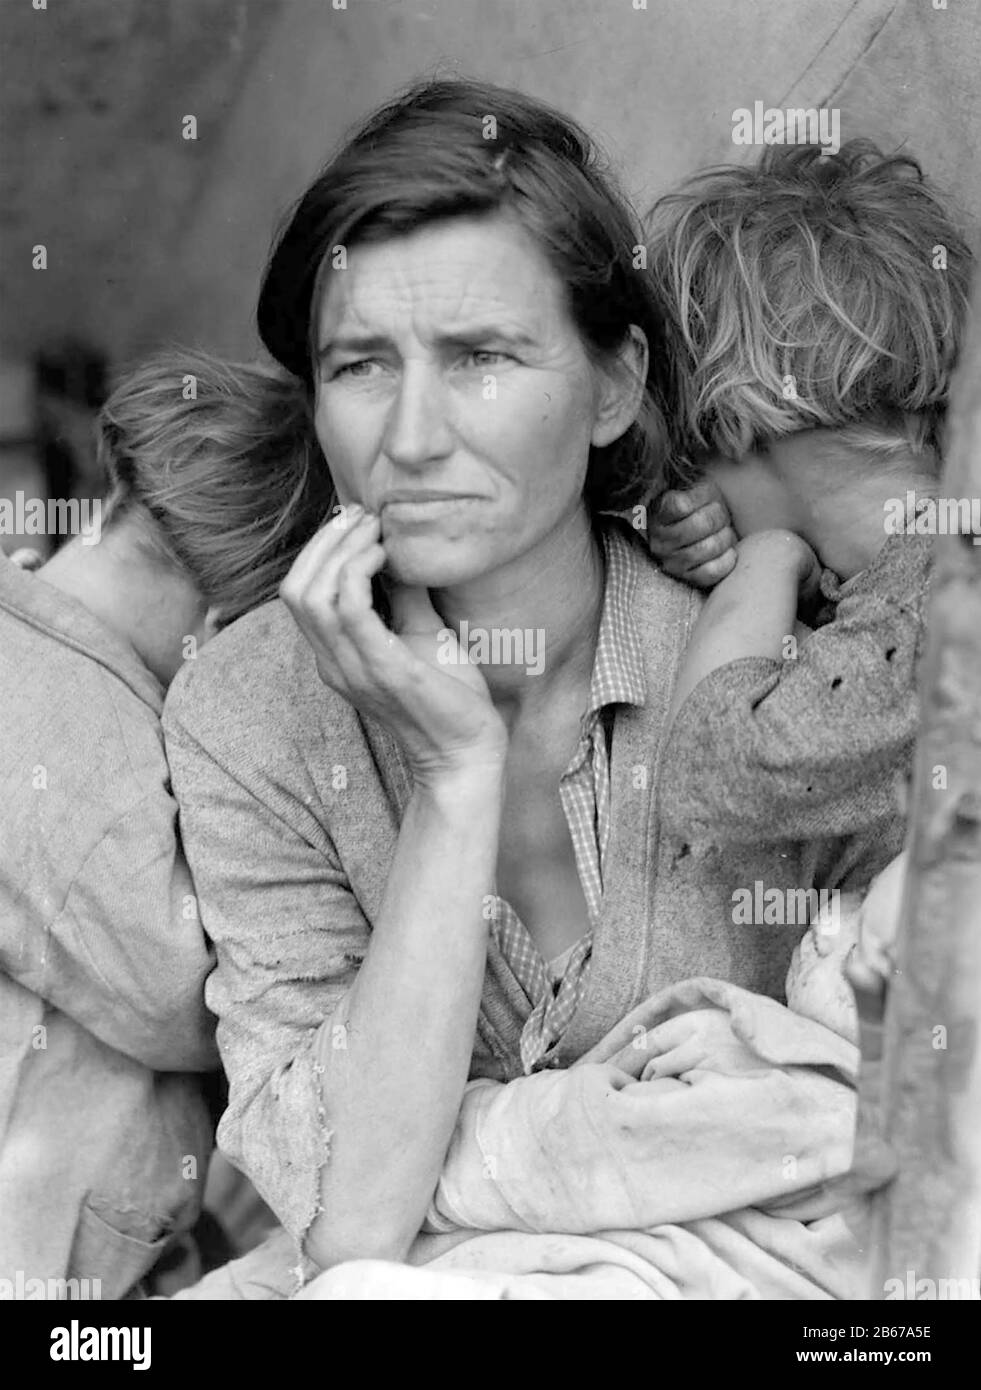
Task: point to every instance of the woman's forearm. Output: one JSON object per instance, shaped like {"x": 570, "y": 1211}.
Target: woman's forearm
{"x": 392, "y": 1090}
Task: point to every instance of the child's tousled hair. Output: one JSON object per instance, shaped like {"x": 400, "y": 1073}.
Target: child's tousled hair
{"x": 219, "y": 465}
{"x": 808, "y": 291}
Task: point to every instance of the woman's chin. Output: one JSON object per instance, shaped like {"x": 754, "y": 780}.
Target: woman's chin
{"x": 428, "y": 562}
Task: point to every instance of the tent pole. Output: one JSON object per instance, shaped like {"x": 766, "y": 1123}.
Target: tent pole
{"x": 926, "y": 1225}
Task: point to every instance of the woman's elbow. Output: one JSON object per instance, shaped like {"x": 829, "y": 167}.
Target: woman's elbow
{"x": 333, "y": 1242}
{"x": 355, "y": 1221}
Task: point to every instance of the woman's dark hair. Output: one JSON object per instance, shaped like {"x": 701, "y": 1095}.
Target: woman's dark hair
{"x": 452, "y": 148}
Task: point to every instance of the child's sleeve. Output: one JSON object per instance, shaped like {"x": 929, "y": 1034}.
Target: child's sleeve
{"x": 812, "y": 747}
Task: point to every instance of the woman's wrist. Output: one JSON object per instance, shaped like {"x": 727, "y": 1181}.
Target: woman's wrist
{"x": 473, "y": 774}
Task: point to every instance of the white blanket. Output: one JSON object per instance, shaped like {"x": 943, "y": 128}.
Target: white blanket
{"x": 684, "y": 1157}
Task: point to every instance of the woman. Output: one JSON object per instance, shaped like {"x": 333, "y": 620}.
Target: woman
{"x": 104, "y": 1129}
{"x": 418, "y": 863}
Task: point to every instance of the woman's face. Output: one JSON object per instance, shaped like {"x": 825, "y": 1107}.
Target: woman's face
{"x": 454, "y": 396}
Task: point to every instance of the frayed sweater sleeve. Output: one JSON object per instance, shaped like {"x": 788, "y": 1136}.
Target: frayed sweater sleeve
{"x": 289, "y": 937}
{"x": 810, "y": 747}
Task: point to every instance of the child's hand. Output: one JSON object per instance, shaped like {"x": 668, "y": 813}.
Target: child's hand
{"x": 691, "y": 535}
{"x": 783, "y": 547}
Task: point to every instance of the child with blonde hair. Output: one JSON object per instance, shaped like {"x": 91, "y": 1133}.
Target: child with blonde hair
{"x": 816, "y": 304}
{"x": 816, "y": 308}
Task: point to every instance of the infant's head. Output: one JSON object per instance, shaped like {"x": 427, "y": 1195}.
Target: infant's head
{"x": 850, "y": 945}
{"x": 816, "y": 984}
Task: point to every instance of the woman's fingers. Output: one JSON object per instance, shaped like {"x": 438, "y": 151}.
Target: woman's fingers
{"x": 680, "y": 1032}
{"x": 440, "y": 712}
{"x": 325, "y": 551}
{"x": 384, "y": 658}
{"x": 699, "y": 1038}
{"x": 330, "y": 598}
{"x": 310, "y": 558}
{"x": 673, "y": 1031}
{"x": 355, "y": 599}
{"x": 314, "y": 589}
{"x": 677, "y": 1061}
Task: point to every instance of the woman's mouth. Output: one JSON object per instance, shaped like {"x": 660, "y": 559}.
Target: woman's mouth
{"x": 418, "y": 508}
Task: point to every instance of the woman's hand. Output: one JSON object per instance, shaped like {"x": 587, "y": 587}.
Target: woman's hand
{"x": 416, "y": 680}
{"x": 701, "y": 1039}
{"x": 692, "y": 537}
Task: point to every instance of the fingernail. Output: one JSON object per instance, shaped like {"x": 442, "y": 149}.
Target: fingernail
{"x": 345, "y": 514}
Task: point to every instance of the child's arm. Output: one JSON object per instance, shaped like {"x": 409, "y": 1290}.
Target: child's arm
{"x": 752, "y": 611}
{"x": 764, "y": 748}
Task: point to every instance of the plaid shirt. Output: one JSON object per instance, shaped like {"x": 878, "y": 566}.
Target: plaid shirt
{"x": 584, "y": 788}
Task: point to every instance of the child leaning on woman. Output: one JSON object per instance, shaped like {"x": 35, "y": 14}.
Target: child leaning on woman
{"x": 105, "y": 1132}
{"x": 816, "y": 305}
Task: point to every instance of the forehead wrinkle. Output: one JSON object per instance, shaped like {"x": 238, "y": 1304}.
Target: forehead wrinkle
{"x": 438, "y": 301}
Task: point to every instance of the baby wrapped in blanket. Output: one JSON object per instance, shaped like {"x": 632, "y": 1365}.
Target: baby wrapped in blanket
{"x": 689, "y": 1153}
{"x": 688, "y": 1156}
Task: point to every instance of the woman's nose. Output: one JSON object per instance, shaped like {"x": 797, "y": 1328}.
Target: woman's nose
{"x": 418, "y": 429}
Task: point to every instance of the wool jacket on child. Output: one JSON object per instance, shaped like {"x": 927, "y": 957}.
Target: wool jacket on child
{"x": 816, "y": 745}
{"x": 104, "y": 1135}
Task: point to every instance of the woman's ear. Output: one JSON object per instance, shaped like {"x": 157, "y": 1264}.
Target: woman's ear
{"x": 621, "y": 389}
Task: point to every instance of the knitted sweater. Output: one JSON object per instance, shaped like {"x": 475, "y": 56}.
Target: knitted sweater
{"x": 817, "y": 745}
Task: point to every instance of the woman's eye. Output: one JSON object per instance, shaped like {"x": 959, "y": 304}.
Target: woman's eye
{"x": 484, "y": 357}
{"x": 361, "y": 368}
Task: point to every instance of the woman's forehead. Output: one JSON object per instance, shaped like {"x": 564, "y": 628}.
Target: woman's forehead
{"x": 467, "y": 276}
